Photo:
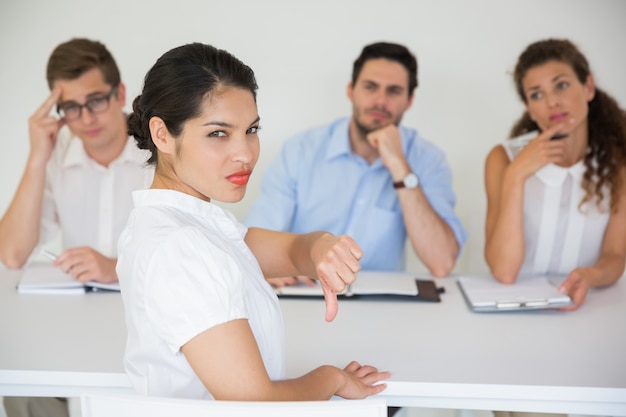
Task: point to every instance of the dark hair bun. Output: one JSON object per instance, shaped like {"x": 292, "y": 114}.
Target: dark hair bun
{"x": 138, "y": 128}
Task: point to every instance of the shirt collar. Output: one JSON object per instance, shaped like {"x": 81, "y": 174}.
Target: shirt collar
{"x": 178, "y": 200}
{"x": 339, "y": 144}
{"x": 76, "y": 154}
{"x": 555, "y": 175}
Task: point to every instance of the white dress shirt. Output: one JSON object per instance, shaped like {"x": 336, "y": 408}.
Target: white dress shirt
{"x": 560, "y": 234}
{"x": 183, "y": 268}
{"x": 87, "y": 202}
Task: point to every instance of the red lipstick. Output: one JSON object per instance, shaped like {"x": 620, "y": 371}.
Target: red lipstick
{"x": 240, "y": 177}
{"x": 557, "y": 117}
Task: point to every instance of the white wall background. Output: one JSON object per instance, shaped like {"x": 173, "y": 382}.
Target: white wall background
{"x": 302, "y": 54}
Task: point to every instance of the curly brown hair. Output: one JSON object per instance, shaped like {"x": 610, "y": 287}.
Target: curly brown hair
{"x": 606, "y": 155}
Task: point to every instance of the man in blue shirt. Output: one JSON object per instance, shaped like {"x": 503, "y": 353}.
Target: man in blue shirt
{"x": 368, "y": 176}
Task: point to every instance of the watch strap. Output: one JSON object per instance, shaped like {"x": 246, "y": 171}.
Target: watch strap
{"x": 409, "y": 181}
{"x": 399, "y": 184}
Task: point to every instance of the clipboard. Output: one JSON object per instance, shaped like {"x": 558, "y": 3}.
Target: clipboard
{"x": 46, "y": 279}
{"x": 381, "y": 285}
{"x": 529, "y": 292}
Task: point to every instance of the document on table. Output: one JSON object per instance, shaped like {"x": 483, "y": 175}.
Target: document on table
{"x": 486, "y": 294}
{"x": 372, "y": 283}
{"x": 47, "y": 279}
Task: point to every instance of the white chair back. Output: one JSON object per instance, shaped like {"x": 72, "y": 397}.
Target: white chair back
{"x": 100, "y": 404}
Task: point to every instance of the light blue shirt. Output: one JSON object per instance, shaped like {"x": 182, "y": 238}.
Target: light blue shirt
{"x": 317, "y": 183}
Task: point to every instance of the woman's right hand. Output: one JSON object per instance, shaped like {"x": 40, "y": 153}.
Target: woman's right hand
{"x": 361, "y": 381}
{"x": 336, "y": 261}
{"x": 539, "y": 152}
{"x": 43, "y": 129}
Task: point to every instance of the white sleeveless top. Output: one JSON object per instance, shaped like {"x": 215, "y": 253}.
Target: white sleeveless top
{"x": 559, "y": 235}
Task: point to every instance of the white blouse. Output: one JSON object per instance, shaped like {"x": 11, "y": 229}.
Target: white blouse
{"x": 559, "y": 234}
{"x": 183, "y": 268}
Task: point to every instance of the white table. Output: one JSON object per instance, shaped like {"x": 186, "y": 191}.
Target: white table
{"x": 440, "y": 354}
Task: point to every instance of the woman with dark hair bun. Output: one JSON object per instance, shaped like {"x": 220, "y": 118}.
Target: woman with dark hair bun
{"x": 202, "y": 320}
{"x": 556, "y": 191}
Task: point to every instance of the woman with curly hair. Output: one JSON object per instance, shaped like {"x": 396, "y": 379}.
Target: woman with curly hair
{"x": 556, "y": 192}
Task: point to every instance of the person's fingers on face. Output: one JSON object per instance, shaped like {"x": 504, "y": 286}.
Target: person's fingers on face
{"x": 48, "y": 104}
{"x": 60, "y": 124}
{"x": 557, "y": 151}
{"x": 49, "y": 123}
{"x": 374, "y": 138}
{"x": 556, "y": 154}
{"x": 554, "y": 130}
{"x": 547, "y": 134}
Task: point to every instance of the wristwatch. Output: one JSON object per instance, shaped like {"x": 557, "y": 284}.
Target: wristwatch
{"x": 410, "y": 181}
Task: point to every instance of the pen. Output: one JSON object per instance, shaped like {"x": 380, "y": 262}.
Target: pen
{"x": 49, "y": 255}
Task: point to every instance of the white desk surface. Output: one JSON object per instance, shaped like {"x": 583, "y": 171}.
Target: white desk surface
{"x": 440, "y": 354}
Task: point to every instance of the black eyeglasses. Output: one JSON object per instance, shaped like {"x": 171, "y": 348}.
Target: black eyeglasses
{"x": 72, "y": 110}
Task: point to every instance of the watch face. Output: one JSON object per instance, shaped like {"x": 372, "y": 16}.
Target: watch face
{"x": 411, "y": 181}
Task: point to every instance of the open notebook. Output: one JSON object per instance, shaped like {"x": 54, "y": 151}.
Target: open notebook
{"x": 485, "y": 294}
{"x": 381, "y": 284}
{"x": 47, "y": 279}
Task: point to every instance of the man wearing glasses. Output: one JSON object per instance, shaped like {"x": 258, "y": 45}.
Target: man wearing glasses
{"x": 80, "y": 173}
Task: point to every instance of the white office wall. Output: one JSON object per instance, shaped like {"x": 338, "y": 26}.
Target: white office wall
{"x": 302, "y": 53}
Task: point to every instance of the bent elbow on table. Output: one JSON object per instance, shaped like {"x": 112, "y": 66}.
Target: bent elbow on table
{"x": 504, "y": 275}
{"x": 13, "y": 259}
